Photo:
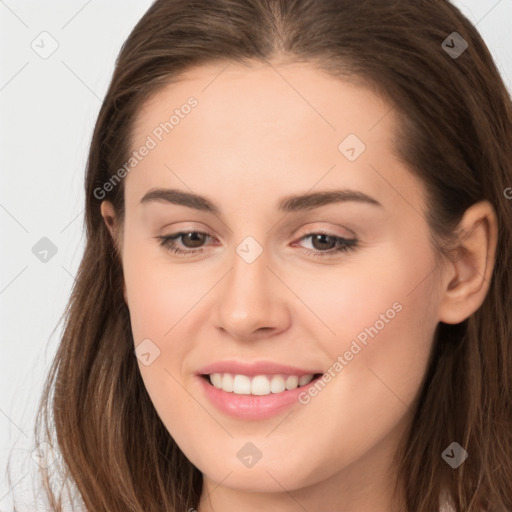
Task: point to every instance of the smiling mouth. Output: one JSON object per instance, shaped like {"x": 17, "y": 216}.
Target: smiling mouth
{"x": 258, "y": 385}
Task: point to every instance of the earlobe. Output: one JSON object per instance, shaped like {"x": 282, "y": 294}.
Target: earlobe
{"x": 467, "y": 276}
{"x": 108, "y": 214}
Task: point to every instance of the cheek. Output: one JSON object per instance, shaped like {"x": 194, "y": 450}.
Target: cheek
{"x": 389, "y": 288}
{"x": 383, "y": 318}
{"x": 160, "y": 298}
{"x": 159, "y": 294}
{"x": 383, "y": 314}
{"x": 380, "y": 315}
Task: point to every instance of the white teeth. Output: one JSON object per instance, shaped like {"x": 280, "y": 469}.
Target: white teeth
{"x": 277, "y": 384}
{"x": 291, "y": 382}
{"x": 242, "y": 385}
{"x": 216, "y": 379}
{"x": 226, "y": 382}
{"x": 259, "y": 384}
{"x": 305, "y": 379}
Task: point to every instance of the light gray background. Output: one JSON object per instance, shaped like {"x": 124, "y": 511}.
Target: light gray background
{"x": 47, "y": 112}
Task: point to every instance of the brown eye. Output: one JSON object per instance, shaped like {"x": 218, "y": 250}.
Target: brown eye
{"x": 324, "y": 244}
{"x": 322, "y": 241}
{"x": 193, "y": 239}
{"x": 184, "y": 242}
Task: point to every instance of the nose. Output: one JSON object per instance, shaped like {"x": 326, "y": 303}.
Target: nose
{"x": 251, "y": 301}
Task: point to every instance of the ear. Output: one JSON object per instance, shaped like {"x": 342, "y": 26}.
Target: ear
{"x": 109, "y": 216}
{"x": 466, "y": 278}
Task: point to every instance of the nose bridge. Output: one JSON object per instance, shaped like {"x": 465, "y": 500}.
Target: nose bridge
{"x": 250, "y": 298}
{"x": 248, "y": 283}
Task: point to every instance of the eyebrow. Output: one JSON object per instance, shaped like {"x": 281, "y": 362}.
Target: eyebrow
{"x": 288, "y": 204}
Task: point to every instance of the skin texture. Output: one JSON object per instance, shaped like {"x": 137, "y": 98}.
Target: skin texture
{"x": 258, "y": 134}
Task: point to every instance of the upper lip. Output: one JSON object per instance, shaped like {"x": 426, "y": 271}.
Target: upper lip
{"x": 254, "y": 368}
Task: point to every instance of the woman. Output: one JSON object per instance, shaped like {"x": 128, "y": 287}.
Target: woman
{"x": 295, "y": 292}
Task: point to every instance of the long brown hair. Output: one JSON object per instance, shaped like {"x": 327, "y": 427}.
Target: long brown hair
{"x": 455, "y": 134}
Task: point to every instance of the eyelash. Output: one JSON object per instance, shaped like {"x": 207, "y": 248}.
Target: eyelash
{"x": 346, "y": 244}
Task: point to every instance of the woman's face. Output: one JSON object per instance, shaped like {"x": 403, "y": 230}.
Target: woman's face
{"x": 291, "y": 165}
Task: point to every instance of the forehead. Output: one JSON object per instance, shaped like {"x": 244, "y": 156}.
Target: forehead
{"x": 264, "y": 127}
{"x": 265, "y": 99}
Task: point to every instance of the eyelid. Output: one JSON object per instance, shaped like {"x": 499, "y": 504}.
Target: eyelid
{"x": 303, "y": 232}
{"x": 345, "y": 244}
{"x": 308, "y": 230}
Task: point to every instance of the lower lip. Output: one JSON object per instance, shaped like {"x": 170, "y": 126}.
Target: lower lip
{"x": 252, "y": 407}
